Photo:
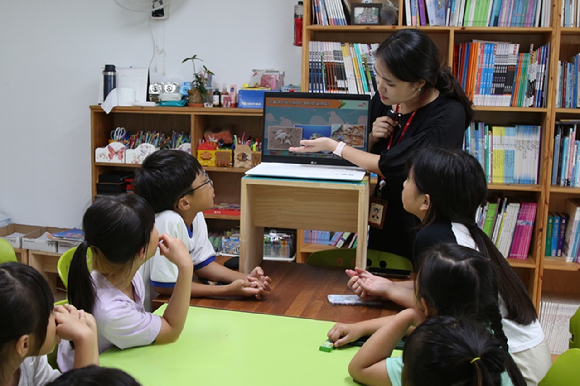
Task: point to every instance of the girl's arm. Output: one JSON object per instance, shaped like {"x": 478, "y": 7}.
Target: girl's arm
{"x": 369, "y": 286}
{"x": 361, "y": 158}
{"x": 368, "y": 365}
{"x": 80, "y": 327}
{"x": 175, "y": 314}
{"x": 342, "y": 334}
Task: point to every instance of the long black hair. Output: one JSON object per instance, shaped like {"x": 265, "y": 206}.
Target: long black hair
{"x": 411, "y": 56}
{"x": 26, "y": 303}
{"x": 95, "y": 376}
{"x": 444, "y": 350}
{"x": 459, "y": 281}
{"x": 456, "y": 183}
{"x": 118, "y": 227}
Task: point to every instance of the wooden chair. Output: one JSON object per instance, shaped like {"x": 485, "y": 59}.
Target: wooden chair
{"x": 7, "y": 252}
{"x": 565, "y": 370}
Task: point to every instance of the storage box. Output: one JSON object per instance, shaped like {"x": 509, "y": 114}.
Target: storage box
{"x": 14, "y": 233}
{"x": 242, "y": 156}
{"x": 38, "y": 240}
{"x": 138, "y": 155}
{"x": 280, "y": 245}
{"x": 223, "y": 157}
{"x": 251, "y": 99}
{"x": 112, "y": 153}
{"x": 64, "y": 246}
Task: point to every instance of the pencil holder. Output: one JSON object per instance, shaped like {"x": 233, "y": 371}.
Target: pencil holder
{"x": 114, "y": 153}
{"x": 206, "y": 154}
{"x": 138, "y": 155}
{"x": 242, "y": 156}
{"x": 256, "y": 158}
{"x": 223, "y": 157}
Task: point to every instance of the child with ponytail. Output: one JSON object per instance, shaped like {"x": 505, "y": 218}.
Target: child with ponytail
{"x": 121, "y": 234}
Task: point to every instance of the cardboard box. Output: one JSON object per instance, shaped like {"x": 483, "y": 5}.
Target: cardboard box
{"x": 38, "y": 240}
{"x": 64, "y": 246}
{"x": 14, "y": 233}
{"x": 251, "y": 99}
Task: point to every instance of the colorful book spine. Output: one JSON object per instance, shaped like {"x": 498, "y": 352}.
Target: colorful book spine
{"x": 549, "y": 230}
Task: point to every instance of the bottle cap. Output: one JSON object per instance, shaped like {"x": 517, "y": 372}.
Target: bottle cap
{"x": 109, "y": 68}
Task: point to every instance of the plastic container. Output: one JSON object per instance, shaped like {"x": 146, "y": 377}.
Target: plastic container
{"x": 298, "y": 19}
{"x": 109, "y": 79}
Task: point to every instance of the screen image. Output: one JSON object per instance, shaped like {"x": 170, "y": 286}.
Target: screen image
{"x": 292, "y": 117}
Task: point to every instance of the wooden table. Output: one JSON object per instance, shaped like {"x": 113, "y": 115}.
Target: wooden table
{"x": 299, "y": 290}
{"x": 300, "y": 204}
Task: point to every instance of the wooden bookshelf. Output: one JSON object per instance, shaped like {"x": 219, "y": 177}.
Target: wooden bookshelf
{"x": 563, "y": 43}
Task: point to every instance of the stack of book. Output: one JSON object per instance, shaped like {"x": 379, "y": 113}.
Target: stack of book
{"x": 336, "y": 239}
{"x": 480, "y": 13}
{"x": 497, "y": 74}
{"x": 567, "y": 93}
{"x": 329, "y": 12}
{"x": 555, "y": 312}
{"x": 342, "y": 68}
{"x": 508, "y": 155}
{"x": 509, "y": 225}
{"x": 316, "y": 237}
{"x": 563, "y": 232}
{"x": 565, "y": 163}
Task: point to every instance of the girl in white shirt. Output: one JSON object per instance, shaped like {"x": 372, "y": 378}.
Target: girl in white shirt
{"x": 29, "y": 326}
{"x": 121, "y": 234}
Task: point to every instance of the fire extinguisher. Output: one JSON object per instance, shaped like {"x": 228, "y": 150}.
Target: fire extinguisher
{"x": 298, "y": 14}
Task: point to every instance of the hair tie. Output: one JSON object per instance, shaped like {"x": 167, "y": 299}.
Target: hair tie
{"x": 475, "y": 359}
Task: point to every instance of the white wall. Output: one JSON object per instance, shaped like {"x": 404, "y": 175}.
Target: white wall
{"x": 51, "y": 54}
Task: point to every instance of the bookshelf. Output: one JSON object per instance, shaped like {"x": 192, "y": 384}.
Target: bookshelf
{"x": 226, "y": 180}
{"x": 538, "y": 271}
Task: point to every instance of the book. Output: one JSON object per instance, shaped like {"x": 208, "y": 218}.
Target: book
{"x": 549, "y": 228}
{"x": 562, "y": 233}
{"x": 353, "y": 240}
{"x": 573, "y": 211}
{"x": 343, "y": 239}
{"x": 555, "y": 234}
{"x": 73, "y": 234}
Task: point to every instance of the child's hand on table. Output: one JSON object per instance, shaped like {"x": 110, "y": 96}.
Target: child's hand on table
{"x": 342, "y": 333}
{"x": 241, "y": 287}
{"x": 257, "y": 276}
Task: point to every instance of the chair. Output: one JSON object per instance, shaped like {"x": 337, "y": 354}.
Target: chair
{"x": 346, "y": 258}
{"x": 6, "y": 252}
{"x": 575, "y": 330}
{"x": 565, "y": 370}
{"x": 63, "y": 265}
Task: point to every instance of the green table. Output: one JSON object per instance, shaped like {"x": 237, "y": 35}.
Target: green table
{"x": 219, "y": 347}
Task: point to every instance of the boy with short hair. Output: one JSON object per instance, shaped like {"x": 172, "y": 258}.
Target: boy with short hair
{"x": 178, "y": 188}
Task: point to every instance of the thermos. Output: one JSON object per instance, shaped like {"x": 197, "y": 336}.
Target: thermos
{"x": 298, "y": 16}
{"x": 109, "y": 79}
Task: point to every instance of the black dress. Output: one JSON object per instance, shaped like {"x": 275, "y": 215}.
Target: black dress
{"x": 439, "y": 123}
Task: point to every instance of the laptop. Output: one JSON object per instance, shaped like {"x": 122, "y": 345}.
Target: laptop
{"x": 290, "y": 117}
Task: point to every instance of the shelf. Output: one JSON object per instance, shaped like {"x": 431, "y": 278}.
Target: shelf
{"x": 559, "y": 264}
{"x": 310, "y": 248}
{"x": 226, "y": 169}
{"x": 562, "y": 110}
{"x": 515, "y": 187}
{"x": 510, "y": 109}
{"x": 529, "y": 263}
{"x": 427, "y": 29}
{"x": 564, "y": 189}
{"x": 221, "y": 217}
{"x": 181, "y": 110}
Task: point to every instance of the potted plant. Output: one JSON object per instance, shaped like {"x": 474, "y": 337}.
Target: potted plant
{"x": 198, "y": 91}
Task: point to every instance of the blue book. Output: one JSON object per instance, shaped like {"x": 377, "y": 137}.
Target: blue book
{"x": 565, "y": 151}
{"x": 561, "y": 236}
{"x": 555, "y": 234}
{"x": 494, "y": 20}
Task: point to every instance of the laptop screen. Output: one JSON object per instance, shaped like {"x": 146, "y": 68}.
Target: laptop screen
{"x": 290, "y": 117}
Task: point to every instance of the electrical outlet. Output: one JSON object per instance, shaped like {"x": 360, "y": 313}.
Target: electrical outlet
{"x": 160, "y": 13}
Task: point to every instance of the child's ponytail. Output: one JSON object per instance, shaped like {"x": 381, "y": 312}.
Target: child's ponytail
{"x": 445, "y": 350}
{"x": 81, "y": 292}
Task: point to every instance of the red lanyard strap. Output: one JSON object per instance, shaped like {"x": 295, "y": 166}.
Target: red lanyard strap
{"x": 406, "y": 124}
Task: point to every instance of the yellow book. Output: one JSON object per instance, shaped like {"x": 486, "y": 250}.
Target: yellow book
{"x": 498, "y": 176}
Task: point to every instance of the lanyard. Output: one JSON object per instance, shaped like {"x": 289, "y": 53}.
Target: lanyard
{"x": 406, "y": 124}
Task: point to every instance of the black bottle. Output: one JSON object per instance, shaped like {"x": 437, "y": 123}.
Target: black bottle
{"x": 109, "y": 79}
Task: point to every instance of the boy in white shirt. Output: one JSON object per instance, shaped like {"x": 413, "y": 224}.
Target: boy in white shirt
{"x": 178, "y": 189}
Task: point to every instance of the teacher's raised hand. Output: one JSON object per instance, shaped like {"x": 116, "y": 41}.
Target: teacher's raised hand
{"x": 315, "y": 145}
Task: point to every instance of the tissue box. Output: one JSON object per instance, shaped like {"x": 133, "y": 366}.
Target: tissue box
{"x": 112, "y": 153}
{"x": 251, "y": 99}
{"x": 14, "y": 233}
{"x": 138, "y": 155}
{"x": 38, "y": 240}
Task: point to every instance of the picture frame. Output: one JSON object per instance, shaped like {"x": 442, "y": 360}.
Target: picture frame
{"x": 366, "y": 14}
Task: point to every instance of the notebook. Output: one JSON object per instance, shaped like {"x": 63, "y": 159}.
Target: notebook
{"x": 290, "y": 117}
